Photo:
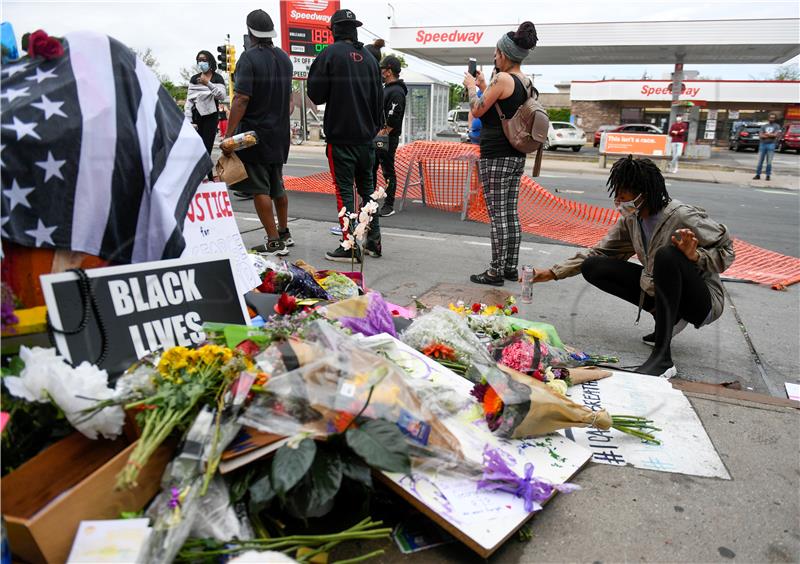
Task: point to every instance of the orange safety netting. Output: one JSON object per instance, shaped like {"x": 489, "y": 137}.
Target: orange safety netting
{"x": 437, "y": 173}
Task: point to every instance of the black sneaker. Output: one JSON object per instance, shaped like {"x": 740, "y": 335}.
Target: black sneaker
{"x": 486, "y": 278}
{"x": 271, "y": 249}
{"x": 286, "y": 237}
{"x": 343, "y": 255}
{"x": 768, "y": 178}
{"x": 386, "y": 211}
{"x": 650, "y": 338}
{"x": 373, "y": 250}
{"x": 757, "y": 177}
{"x": 511, "y": 274}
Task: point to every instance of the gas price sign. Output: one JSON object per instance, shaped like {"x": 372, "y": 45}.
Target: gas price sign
{"x": 305, "y": 27}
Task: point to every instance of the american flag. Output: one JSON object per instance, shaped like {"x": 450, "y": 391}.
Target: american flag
{"x": 96, "y": 155}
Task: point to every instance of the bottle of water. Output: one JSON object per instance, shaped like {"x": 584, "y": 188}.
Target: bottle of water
{"x": 527, "y": 284}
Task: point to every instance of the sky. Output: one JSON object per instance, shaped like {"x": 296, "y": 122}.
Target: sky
{"x": 176, "y": 30}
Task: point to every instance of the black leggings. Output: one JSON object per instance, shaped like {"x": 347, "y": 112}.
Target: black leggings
{"x": 681, "y": 292}
{"x": 207, "y": 128}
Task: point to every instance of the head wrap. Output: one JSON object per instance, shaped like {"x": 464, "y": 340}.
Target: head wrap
{"x": 511, "y": 50}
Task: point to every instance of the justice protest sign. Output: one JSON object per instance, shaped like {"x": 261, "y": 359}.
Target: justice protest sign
{"x": 210, "y": 229}
{"x": 132, "y": 310}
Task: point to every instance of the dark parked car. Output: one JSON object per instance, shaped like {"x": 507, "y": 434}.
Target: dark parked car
{"x": 744, "y": 137}
{"x": 791, "y": 139}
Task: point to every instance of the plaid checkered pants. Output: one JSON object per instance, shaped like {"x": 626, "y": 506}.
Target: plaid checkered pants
{"x": 500, "y": 178}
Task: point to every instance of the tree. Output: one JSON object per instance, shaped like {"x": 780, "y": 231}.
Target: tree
{"x": 787, "y": 72}
{"x": 177, "y": 91}
{"x": 150, "y": 60}
{"x": 457, "y": 94}
{"x": 558, "y": 114}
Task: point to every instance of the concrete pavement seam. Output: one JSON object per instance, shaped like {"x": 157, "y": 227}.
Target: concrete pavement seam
{"x": 759, "y": 364}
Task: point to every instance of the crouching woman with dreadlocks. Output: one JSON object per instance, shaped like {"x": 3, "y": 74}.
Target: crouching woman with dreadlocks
{"x": 681, "y": 250}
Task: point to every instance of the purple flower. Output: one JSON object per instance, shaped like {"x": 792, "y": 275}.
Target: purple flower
{"x": 497, "y": 476}
{"x": 7, "y": 317}
{"x": 479, "y": 390}
{"x": 377, "y": 320}
{"x": 175, "y": 498}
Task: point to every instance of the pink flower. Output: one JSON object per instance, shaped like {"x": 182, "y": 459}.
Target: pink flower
{"x": 519, "y": 356}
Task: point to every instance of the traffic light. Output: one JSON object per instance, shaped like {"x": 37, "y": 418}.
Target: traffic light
{"x": 231, "y": 59}
{"x": 222, "y": 58}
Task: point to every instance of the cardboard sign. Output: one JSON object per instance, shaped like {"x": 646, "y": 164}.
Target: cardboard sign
{"x": 143, "y": 307}
{"x": 481, "y": 519}
{"x": 645, "y": 144}
{"x": 210, "y": 229}
{"x": 685, "y": 446}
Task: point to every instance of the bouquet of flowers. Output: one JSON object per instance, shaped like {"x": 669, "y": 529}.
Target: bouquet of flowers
{"x": 444, "y": 335}
{"x": 291, "y": 279}
{"x": 527, "y": 352}
{"x": 168, "y": 394}
{"x": 517, "y": 406}
{"x": 339, "y": 286}
{"x": 325, "y": 387}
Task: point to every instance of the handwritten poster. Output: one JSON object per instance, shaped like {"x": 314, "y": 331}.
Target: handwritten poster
{"x": 210, "y": 229}
{"x": 486, "y": 518}
{"x": 685, "y": 446}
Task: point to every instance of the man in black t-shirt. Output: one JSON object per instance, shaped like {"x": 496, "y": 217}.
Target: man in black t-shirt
{"x": 346, "y": 79}
{"x": 263, "y": 87}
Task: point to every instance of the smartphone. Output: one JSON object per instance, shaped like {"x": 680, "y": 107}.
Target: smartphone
{"x": 473, "y": 67}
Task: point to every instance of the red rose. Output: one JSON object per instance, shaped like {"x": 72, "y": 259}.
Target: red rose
{"x": 249, "y": 348}
{"x": 476, "y": 308}
{"x": 286, "y": 304}
{"x": 514, "y": 309}
{"x": 42, "y": 45}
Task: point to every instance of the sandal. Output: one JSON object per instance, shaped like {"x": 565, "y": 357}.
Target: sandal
{"x": 486, "y": 278}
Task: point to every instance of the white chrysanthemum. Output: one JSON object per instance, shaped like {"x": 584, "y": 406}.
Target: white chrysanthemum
{"x": 347, "y": 244}
{"x": 361, "y": 232}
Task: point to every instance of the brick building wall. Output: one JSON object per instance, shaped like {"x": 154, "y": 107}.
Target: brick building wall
{"x": 594, "y": 114}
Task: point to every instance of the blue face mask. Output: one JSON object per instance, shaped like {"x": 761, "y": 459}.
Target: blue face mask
{"x": 203, "y": 65}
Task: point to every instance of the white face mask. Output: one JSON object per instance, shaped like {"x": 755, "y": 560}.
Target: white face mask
{"x": 629, "y": 208}
{"x": 203, "y": 65}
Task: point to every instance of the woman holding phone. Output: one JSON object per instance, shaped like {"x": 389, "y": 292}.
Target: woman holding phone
{"x": 500, "y": 165}
{"x": 681, "y": 250}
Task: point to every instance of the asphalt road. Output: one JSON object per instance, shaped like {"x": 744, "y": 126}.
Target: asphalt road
{"x": 764, "y": 217}
{"x": 782, "y": 163}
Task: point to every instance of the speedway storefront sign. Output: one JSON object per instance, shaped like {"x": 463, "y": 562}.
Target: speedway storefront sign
{"x": 768, "y": 91}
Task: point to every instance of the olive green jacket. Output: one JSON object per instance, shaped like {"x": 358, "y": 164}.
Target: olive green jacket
{"x": 625, "y": 239}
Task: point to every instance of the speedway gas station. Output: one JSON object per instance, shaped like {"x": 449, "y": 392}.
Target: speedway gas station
{"x": 714, "y": 106}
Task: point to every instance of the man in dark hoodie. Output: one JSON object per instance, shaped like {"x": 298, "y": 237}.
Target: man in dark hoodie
{"x": 394, "y": 108}
{"x": 345, "y": 77}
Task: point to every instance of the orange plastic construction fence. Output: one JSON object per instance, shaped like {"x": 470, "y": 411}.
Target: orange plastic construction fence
{"x": 444, "y": 175}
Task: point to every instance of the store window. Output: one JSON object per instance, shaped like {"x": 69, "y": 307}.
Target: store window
{"x": 631, "y": 115}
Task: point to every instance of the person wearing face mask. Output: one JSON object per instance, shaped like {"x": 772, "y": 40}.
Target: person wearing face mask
{"x": 681, "y": 250}
{"x": 394, "y": 109}
{"x": 205, "y": 93}
{"x": 500, "y": 165}
{"x": 678, "y": 133}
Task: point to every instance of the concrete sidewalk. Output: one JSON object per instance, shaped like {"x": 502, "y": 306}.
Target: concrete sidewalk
{"x": 623, "y": 513}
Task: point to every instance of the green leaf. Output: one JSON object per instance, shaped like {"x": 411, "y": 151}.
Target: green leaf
{"x": 381, "y": 445}
{"x": 261, "y": 493}
{"x": 291, "y": 464}
{"x": 326, "y": 477}
{"x": 355, "y": 469}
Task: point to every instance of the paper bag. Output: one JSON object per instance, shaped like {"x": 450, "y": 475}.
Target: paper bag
{"x": 230, "y": 169}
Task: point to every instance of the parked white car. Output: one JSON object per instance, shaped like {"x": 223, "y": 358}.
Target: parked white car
{"x": 564, "y": 134}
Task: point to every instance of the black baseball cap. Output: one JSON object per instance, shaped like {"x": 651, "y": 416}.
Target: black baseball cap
{"x": 345, "y": 16}
{"x": 392, "y": 63}
{"x": 260, "y": 25}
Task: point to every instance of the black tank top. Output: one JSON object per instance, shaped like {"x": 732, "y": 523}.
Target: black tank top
{"x": 494, "y": 143}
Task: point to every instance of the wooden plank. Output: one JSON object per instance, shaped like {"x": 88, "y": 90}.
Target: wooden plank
{"x": 721, "y": 391}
